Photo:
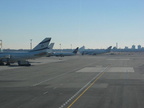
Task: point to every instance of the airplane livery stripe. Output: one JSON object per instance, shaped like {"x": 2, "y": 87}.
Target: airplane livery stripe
{"x": 40, "y": 49}
{"x": 45, "y": 41}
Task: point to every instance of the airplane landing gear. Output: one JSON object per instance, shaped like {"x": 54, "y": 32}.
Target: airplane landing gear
{"x": 8, "y": 64}
{"x": 1, "y": 63}
{"x": 24, "y": 63}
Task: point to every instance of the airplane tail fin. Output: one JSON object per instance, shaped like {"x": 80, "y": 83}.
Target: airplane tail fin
{"x": 51, "y": 46}
{"x": 43, "y": 45}
{"x": 109, "y": 49}
{"x": 76, "y": 50}
{"x": 50, "y": 51}
{"x": 82, "y": 49}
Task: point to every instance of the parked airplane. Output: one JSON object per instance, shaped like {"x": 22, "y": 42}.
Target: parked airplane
{"x": 50, "y": 52}
{"x": 95, "y": 52}
{"x": 62, "y": 54}
{"x": 21, "y": 58}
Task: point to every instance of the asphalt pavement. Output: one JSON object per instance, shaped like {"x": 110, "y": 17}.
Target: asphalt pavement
{"x": 103, "y": 81}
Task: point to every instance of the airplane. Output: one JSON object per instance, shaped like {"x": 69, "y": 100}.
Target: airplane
{"x": 95, "y": 52}
{"x": 50, "y": 52}
{"x": 62, "y": 54}
{"x": 22, "y": 57}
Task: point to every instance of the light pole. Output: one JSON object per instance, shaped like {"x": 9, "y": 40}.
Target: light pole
{"x": 71, "y": 46}
{"x": 0, "y": 44}
{"x": 30, "y": 43}
{"x": 60, "y": 48}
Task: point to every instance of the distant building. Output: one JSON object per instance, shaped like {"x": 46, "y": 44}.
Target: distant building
{"x": 126, "y": 47}
{"x": 139, "y": 47}
{"x": 114, "y": 48}
{"x": 133, "y": 47}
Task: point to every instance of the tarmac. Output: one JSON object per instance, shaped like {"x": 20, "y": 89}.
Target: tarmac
{"x": 103, "y": 81}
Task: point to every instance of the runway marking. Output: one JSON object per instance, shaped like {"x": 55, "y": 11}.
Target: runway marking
{"x": 112, "y": 69}
{"x": 53, "y": 77}
{"x": 83, "y": 89}
{"x": 45, "y": 93}
{"x": 59, "y": 75}
{"x": 118, "y": 59}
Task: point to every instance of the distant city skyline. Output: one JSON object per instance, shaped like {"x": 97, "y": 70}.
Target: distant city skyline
{"x": 92, "y": 23}
{"x": 32, "y": 45}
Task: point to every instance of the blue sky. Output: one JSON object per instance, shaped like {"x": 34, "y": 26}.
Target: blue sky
{"x": 93, "y": 23}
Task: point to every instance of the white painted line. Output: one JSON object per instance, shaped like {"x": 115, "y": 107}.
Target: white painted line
{"x": 45, "y": 93}
{"x": 74, "y": 70}
{"x": 112, "y": 69}
{"x": 83, "y": 88}
{"x": 53, "y": 78}
{"x": 118, "y": 59}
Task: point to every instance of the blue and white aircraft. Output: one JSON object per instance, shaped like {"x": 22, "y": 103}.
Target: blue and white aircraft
{"x": 62, "y": 54}
{"x": 95, "y": 52}
{"x": 22, "y": 57}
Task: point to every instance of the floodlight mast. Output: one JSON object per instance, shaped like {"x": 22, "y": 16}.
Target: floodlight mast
{"x": 1, "y": 44}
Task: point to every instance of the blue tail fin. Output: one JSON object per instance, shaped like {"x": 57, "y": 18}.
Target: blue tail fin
{"x": 76, "y": 50}
{"x": 108, "y": 49}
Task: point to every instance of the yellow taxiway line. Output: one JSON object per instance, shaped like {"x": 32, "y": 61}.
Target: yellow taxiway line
{"x": 85, "y": 90}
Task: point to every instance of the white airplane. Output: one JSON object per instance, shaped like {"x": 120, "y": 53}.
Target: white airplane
{"x": 50, "y": 52}
{"x": 94, "y": 52}
{"x": 62, "y": 54}
{"x": 21, "y": 58}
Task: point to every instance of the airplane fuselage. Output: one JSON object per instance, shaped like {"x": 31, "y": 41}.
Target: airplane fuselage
{"x": 15, "y": 57}
{"x": 22, "y": 57}
{"x": 63, "y": 54}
